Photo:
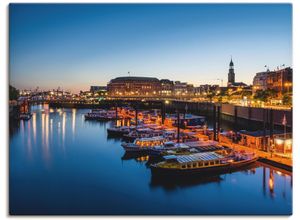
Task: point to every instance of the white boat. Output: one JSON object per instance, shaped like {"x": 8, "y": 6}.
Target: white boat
{"x": 201, "y": 163}
{"x": 143, "y": 144}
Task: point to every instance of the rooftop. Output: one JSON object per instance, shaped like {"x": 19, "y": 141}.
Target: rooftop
{"x": 134, "y": 78}
{"x": 260, "y": 133}
{"x": 195, "y": 157}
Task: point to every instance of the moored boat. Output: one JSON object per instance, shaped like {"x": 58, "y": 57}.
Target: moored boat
{"x": 201, "y": 163}
{"x": 143, "y": 144}
{"x": 118, "y": 131}
{"x": 142, "y": 133}
{"x": 101, "y": 114}
{"x": 171, "y": 147}
{"x": 25, "y": 116}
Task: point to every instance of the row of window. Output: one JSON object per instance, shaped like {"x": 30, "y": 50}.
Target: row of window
{"x": 200, "y": 164}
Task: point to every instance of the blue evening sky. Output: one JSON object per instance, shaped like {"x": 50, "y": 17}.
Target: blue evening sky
{"x": 75, "y": 46}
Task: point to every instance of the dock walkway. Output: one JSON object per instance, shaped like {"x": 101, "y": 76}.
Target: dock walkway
{"x": 264, "y": 155}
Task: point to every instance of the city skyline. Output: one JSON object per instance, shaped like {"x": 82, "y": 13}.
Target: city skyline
{"x": 76, "y": 46}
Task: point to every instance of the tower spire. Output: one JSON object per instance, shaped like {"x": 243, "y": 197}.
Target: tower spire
{"x": 231, "y": 62}
{"x": 231, "y": 74}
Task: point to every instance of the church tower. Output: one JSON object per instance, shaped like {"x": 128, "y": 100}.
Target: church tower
{"x": 231, "y": 74}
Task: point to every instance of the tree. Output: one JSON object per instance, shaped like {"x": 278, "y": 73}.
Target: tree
{"x": 210, "y": 95}
{"x": 265, "y": 95}
{"x": 13, "y": 93}
{"x": 286, "y": 99}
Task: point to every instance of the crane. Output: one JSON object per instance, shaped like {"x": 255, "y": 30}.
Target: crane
{"x": 221, "y": 81}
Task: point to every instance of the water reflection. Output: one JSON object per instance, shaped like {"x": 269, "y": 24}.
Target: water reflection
{"x": 178, "y": 183}
{"x": 63, "y": 129}
{"x": 45, "y": 135}
{"x": 73, "y": 122}
{"x": 270, "y": 175}
{"x": 88, "y": 155}
{"x": 34, "y": 126}
{"x": 173, "y": 183}
{"x": 139, "y": 157}
{"x": 29, "y": 145}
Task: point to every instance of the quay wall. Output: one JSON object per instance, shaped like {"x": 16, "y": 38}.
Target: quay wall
{"x": 228, "y": 111}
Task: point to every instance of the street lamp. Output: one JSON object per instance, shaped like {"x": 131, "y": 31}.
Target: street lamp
{"x": 288, "y": 84}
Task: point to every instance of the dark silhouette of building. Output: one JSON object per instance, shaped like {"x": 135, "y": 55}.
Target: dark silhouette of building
{"x": 231, "y": 74}
{"x": 231, "y": 78}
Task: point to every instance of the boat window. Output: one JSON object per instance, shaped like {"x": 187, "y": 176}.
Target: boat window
{"x": 206, "y": 163}
{"x": 194, "y": 164}
{"x": 183, "y": 166}
{"x": 189, "y": 165}
{"x": 200, "y": 164}
{"x": 211, "y": 163}
{"x": 217, "y": 162}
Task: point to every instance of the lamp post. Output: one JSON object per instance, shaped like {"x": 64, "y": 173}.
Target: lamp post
{"x": 178, "y": 125}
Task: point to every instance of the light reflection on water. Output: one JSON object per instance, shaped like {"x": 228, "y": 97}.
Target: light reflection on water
{"x": 62, "y": 164}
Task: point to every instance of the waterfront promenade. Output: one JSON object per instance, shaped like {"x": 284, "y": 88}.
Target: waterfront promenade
{"x": 268, "y": 157}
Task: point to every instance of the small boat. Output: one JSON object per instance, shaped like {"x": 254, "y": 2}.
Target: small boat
{"x": 201, "y": 163}
{"x": 205, "y": 146}
{"x": 169, "y": 147}
{"x": 99, "y": 114}
{"x": 25, "y": 116}
{"x": 142, "y": 133}
{"x": 118, "y": 131}
{"x": 143, "y": 144}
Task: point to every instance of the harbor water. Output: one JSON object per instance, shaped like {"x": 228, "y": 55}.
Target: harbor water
{"x": 60, "y": 164}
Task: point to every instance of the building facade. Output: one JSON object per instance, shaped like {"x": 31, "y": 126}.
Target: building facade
{"x": 260, "y": 81}
{"x": 277, "y": 80}
{"x": 167, "y": 87}
{"x": 281, "y": 81}
{"x": 180, "y": 88}
{"x": 134, "y": 87}
{"x": 98, "y": 88}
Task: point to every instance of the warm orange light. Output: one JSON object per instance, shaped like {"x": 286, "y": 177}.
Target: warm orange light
{"x": 271, "y": 184}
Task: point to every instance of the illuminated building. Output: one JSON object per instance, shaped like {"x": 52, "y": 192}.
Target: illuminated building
{"x": 260, "y": 81}
{"x": 280, "y": 80}
{"x": 262, "y": 141}
{"x": 97, "y": 88}
{"x": 167, "y": 87}
{"x": 134, "y": 87}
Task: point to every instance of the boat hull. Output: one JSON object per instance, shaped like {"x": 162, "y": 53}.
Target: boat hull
{"x": 128, "y": 138}
{"x": 116, "y": 133}
{"x": 136, "y": 149}
{"x": 157, "y": 171}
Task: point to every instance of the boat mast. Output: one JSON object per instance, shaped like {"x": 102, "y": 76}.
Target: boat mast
{"x": 178, "y": 128}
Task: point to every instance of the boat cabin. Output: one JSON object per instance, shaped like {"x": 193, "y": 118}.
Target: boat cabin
{"x": 149, "y": 142}
{"x": 191, "y": 161}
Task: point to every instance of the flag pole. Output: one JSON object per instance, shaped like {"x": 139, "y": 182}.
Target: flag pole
{"x": 285, "y": 131}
